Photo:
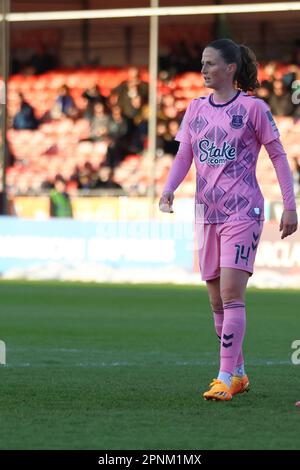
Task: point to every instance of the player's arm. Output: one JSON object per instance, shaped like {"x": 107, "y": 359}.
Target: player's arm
{"x": 289, "y": 220}
{"x": 178, "y": 172}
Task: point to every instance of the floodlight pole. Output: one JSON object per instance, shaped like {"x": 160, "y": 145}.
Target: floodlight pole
{"x": 153, "y": 69}
{"x": 5, "y": 7}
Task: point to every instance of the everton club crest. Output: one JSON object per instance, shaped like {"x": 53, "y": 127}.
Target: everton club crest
{"x": 237, "y": 121}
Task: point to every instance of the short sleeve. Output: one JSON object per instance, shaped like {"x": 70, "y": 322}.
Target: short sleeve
{"x": 184, "y": 133}
{"x": 264, "y": 124}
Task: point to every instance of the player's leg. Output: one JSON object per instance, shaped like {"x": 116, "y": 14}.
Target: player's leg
{"x": 240, "y": 381}
{"x": 209, "y": 262}
{"x": 213, "y": 287}
{"x": 233, "y": 283}
{"x": 238, "y": 243}
{"x": 216, "y": 303}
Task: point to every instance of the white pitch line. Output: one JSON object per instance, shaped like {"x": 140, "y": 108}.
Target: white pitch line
{"x": 100, "y": 364}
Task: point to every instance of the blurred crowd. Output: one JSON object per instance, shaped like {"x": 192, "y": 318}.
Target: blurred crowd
{"x": 111, "y": 124}
{"x": 280, "y": 88}
{"x": 117, "y": 122}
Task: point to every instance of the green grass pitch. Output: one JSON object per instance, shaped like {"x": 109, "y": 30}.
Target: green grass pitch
{"x": 123, "y": 367}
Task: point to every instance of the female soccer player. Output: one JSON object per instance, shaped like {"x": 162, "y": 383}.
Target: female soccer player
{"x": 223, "y": 133}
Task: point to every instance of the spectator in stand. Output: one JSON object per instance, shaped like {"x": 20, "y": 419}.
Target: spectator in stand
{"x": 184, "y": 56}
{"x": 93, "y": 96}
{"x": 181, "y": 57}
{"x": 99, "y": 123}
{"x": 167, "y": 109}
{"x": 264, "y": 91}
{"x": 47, "y": 184}
{"x": 141, "y": 126}
{"x": 280, "y": 100}
{"x": 165, "y": 82}
{"x": 112, "y": 100}
{"x": 269, "y": 70}
{"x": 118, "y": 137}
{"x": 42, "y": 60}
{"x": 171, "y": 145}
{"x": 64, "y": 105}
{"x": 128, "y": 90}
{"x": 25, "y": 117}
{"x": 136, "y": 127}
{"x": 106, "y": 179}
{"x": 161, "y": 131}
{"x": 60, "y": 204}
{"x": 85, "y": 176}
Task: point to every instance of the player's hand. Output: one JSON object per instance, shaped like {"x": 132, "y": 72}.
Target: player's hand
{"x": 166, "y": 202}
{"x": 288, "y": 223}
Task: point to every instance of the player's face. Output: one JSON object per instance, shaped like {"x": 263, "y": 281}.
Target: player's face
{"x": 215, "y": 70}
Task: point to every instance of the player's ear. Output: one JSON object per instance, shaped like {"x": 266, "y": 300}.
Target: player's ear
{"x": 231, "y": 68}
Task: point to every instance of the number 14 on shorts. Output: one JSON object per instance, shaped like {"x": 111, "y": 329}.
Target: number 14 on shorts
{"x": 241, "y": 253}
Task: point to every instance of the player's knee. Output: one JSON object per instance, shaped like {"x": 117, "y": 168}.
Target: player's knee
{"x": 215, "y": 301}
{"x": 216, "y": 306}
{"x": 231, "y": 294}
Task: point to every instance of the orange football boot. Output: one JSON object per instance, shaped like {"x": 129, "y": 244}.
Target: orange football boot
{"x": 239, "y": 384}
{"x": 218, "y": 391}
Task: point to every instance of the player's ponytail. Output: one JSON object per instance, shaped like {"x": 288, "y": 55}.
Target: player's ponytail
{"x": 245, "y": 60}
{"x": 246, "y": 76}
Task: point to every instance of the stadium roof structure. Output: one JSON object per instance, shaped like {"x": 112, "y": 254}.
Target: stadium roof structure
{"x": 56, "y": 5}
{"x": 155, "y": 10}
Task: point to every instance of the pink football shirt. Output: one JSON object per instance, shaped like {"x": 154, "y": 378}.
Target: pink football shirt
{"x": 226, "y": 140}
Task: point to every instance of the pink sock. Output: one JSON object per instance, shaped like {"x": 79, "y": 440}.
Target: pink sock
{"x": 218, "y": 321}
{"x": 233, "y": 331}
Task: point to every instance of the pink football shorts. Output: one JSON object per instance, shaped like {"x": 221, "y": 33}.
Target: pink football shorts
{"x": 228, "y": 245}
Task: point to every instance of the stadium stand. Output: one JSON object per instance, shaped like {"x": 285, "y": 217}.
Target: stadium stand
{"x": 62, "y": 144}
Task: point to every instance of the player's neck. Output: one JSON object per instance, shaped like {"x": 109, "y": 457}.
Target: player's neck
{"x": 222, "y": 95}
